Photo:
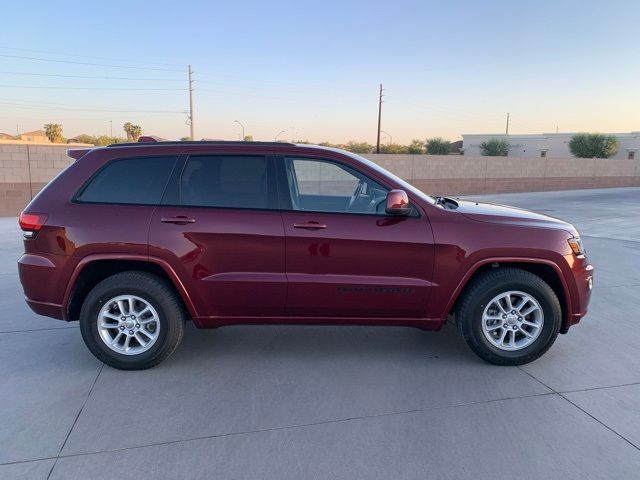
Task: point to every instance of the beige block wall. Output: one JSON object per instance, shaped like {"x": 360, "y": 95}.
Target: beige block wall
{"x": 26, "y": 168}
{"x": 457, "y": 174}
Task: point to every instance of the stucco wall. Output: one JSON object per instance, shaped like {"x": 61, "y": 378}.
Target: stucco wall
{"x": 26, "y": 168}
{"x": 556, "y": 145}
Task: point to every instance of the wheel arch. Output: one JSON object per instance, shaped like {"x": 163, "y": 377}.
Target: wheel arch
{"x": 94, "y": 268}
{"x": 547, "y": 270}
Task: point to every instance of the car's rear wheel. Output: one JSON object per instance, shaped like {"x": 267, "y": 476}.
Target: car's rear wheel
{"x": 509, "y": 316}
{"x": 132, "y": 321}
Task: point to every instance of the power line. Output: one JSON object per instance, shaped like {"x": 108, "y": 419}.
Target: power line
{"x": 70, "y": 108}
{"x": 92, "y": 77}
{"x": 137, "y": 61}
{"x": 91, "y": 88}
{"x": 40, "y": 59}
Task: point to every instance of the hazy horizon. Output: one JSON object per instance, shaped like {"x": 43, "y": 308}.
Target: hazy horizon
{"x": 314, "y": 70}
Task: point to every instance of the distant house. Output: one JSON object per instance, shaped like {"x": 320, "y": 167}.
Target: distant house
{"x": 5, "y": 136}
{"x": 34, "y": 136}
{"x": 455, "y": 148}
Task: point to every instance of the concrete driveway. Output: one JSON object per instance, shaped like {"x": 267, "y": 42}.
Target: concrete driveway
{"x": 343, "y": 403}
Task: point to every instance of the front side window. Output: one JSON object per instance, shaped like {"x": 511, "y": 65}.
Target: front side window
{"x": 324, "y": 186}
{"x": 225, "y": 181}
{"x": 137, "y": 181}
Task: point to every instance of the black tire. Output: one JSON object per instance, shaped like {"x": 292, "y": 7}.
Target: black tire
{"x": 153, "y": 290}
{"x": 486, "y": 287}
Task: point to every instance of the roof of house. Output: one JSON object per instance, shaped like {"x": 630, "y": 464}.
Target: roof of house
{"x": 35, "y": 133}
{"x": 5, "y": 135}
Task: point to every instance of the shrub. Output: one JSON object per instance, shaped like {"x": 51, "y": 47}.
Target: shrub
{"x": 359, "y": 147}
{"x": 589, "y": 145}
{"x": 494, "y": 147}
{"x": 438, "y": 146}
{"x": 416, "y": 147}
{"x": 394, "y": 148}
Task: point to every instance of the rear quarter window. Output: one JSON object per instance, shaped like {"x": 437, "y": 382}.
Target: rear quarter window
{"x": 138, "y": 181}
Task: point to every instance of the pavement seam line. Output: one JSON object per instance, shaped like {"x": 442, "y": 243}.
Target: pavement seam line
{"x": 589, "y": 389}
{"x": 583, "y": 410}
{"x": 38, "y": 330}
{"x": 76, "y": 420}
{"x": 302, "y": 425}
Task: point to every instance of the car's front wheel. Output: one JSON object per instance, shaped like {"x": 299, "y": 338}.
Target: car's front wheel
{"x": 509, "y": 316}
{"x": 132, "y": 321}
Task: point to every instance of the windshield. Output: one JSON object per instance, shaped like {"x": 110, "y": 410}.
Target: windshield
{"x": 407, "y": 186}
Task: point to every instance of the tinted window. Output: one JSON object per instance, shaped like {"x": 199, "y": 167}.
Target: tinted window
{"x": 323, "y": 186}
{"x": 132, "y": 180}
{"x": 225, "y": 181}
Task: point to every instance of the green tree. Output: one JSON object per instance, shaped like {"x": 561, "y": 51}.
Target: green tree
{"x": 185, "y": 139}
{"x": 248, "y": 138}
{"x": 85, "y": 139}
{"x": 53, "y": 131}
{"x": 358, "y": 147}
{"x": 438, "y": 146}
{"x": 416, "y": 146}
{"x": 394, "y": 148}
{"x": 133, "y": 131}
{"x": 494, "y": 147}
{"x": 590, "y": 145}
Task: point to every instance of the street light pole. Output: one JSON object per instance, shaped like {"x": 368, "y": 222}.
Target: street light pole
{"x": 278, "y": 134}
{"x": 241, "y": 126}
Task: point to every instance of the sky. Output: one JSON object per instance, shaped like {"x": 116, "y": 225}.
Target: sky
{"x": 311, "y": 70}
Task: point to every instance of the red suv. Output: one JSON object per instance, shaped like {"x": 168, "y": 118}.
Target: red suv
{"x": 134, "y": 239}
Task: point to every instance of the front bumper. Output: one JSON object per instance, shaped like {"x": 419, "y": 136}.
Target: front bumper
{"x": 579, "y": 289}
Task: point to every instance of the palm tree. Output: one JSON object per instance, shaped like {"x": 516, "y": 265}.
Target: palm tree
{"x": 133, "y": 131}
{"x": 53, "y": 131}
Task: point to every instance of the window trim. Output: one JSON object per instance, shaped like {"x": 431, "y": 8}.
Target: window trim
{"x": 75, "y": 199}
{"x": 284, "y": 194}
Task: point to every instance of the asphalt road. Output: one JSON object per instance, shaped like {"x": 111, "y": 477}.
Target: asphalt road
{"x": 341, "y": 403}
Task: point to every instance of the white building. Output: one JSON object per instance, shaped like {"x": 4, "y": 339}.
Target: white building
{"x": 554, "y": 145}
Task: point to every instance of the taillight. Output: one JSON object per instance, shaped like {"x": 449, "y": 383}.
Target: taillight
{"x": 31, "y": 223}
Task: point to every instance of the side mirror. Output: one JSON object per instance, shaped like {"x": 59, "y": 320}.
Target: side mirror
{"x": 398, "y": 203}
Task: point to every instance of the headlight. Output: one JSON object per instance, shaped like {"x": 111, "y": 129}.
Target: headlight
{"x": 576, "y": 245}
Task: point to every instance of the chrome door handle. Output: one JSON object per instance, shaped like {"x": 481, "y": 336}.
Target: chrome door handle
{"x": 179, "y": 220}
{"x": 310, "y": 225}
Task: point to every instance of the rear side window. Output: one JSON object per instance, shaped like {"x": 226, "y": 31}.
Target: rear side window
{"x": 225, "y": 181}
{"x": 138, "y": 181}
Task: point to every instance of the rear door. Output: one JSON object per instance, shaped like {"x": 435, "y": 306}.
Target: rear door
{"x": 345, "y": 256}
{"x": 219, "y": 229}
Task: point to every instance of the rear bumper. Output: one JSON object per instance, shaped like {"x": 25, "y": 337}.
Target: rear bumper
{"x": 41, "y": 280}
{"x": 52, "y": 310}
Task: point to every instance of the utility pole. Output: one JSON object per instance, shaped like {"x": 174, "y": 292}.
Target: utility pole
{"x": 379, "y": 120}
{"x": 507, "y": 130}
{"x": 191, "y": 104}
{"x": 111, "y": 127}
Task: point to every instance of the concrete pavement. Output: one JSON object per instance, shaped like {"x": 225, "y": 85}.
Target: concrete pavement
{"x": 327, "y": 402}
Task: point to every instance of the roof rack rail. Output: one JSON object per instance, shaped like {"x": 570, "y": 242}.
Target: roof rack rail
{"x": 148, "y": 141}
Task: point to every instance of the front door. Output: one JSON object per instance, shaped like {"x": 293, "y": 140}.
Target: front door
{"x": 346, "y": 257}
{"x": 221, "y": 234}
